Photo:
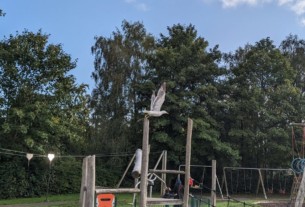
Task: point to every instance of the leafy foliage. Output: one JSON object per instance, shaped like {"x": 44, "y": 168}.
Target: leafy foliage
{"x": 241, "y": 103}
{"x": 193, "y": 77}
{"x": 42, "y": 109}
{"x": 2, "y": 13}
{"x": 120, "y": 71}
{"x": 262, "y": 103}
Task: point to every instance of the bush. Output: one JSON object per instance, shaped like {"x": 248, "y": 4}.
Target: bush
{"x": 14, "y": 179}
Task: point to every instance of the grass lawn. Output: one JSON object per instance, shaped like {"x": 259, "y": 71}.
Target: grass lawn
{"x": 72, "y": 200}
{"x": 69, "y": 200}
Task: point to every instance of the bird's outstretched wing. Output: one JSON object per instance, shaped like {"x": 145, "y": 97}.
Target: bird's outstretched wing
{"x": 159, "y": 100}
{"x": 153, "y": 97}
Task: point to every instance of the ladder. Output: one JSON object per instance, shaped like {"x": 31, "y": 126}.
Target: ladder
{"x": 295, "y": 189}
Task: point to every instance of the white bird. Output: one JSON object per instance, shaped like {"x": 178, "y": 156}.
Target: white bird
{"x": 156, "y": 102}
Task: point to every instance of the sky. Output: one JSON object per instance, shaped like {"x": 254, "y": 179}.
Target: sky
{"x": 227, "y": 23}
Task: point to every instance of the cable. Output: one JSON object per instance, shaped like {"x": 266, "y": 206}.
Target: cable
{"x": 9, "y": 153}
{"x": 21, "y": 153}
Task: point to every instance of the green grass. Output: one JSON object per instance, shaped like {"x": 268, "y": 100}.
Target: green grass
{"x": 70, "y": 200}
{"x": 73, "y": 198}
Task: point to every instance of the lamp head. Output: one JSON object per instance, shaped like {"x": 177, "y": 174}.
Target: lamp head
{"x": 51, "y": 157}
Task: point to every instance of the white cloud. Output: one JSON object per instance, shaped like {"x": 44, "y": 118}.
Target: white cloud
{"x": 302, "y": 21}
{"x": 282, "y": 2}
{"x": 297, "y": 6}
{"x": 234, "y": 3}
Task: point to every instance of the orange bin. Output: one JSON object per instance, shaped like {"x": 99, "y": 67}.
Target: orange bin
{"x": 105, "y": 200}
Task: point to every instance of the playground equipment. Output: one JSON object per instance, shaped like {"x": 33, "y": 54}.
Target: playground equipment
{"x": 240, "y": 179}
{"x": 136, "y": 172}
{"x": 105, "y": 200}
{"x": 89, "y": 190}
{"x": 201, "y": 183}
{"x": 298, "y": 164}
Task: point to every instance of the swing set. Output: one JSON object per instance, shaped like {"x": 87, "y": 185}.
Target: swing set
{"x": 244, "y": 180}
{"x": 200, "y": 180}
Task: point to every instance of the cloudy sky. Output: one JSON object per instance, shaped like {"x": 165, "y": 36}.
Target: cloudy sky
{"x": 228, "y": 23}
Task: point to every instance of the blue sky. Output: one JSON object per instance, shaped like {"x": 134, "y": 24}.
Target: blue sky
{"x": 75, "y": 23}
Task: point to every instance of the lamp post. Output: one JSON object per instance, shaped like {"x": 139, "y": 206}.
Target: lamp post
{"x": 50, "y": 157}
{"x": 29, "y": 156}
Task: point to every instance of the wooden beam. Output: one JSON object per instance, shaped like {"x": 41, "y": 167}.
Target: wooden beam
{"x": 124, "y": 174}
{"x": 90, "y": 195}
{"x": 145, "y": 160}
{"x": 163, "y": 175}
{"x": 83, "y": 188}
{"x": 164, "y": 201}
{"x": 301, "y": 193}
{"x": 116, "y": 190}
{"x": 187, "y": 162}
{"x": 214, "y": 177}
{"x": 225, "y": 181}
{"x": 166, "y": 171}
{"x": 262, "y": 182}
{"x": 297, "y": 124}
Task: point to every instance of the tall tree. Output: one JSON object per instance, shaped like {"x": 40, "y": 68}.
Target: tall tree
{"x": 262, "y": 103}
{"x": 120, "y": 76}
{"x": 191, "y": 71}
{"x": 42, "y": 110}
{"x": 41, "y": 106}
{"x": 294, "y": 49}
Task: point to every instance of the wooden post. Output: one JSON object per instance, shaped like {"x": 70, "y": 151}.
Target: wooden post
{"x": 301, "y": 193}
{"x": 217, "y": 180}
{"x": 123, "y": 176}
{"x": 87, "y": 196}
{"x": 213, "y": 187}
{"x": 164, "y": 167}
{"x": 225, "y": 181}
{"x": 144, "y": 167}
{"x": 262, "y": 182}
{"x": 90, "y": 197}
{"x": 83, "y": 188}
{"x": 187, "y": 162}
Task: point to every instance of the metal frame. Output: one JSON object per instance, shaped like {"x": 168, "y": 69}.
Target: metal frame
{"x": 260, "y": 180}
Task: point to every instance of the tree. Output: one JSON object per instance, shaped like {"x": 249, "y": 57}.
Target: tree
{"x": 42, "y": 109}
{"x": 261, "y": 103}
{"x": 120, "y": 76}
{"x": 2, "y": 13}
{"x": 193, "y": 77}
{"x": 294, "y": 49}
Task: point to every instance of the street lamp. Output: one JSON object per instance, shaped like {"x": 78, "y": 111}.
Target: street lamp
{"x": 51, "y": 157}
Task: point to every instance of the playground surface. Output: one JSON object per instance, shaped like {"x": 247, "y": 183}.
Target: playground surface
{"x": 42, "y": 204}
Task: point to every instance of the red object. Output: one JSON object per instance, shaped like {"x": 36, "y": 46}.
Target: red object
{"x": 105, "y": 200}
{"x": 191, "y": 182}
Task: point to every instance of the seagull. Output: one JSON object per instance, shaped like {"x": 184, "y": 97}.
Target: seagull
{"x": 156, "y": 103}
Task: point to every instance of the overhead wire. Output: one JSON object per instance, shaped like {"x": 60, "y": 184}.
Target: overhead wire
{"x": 21, "y": 153}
